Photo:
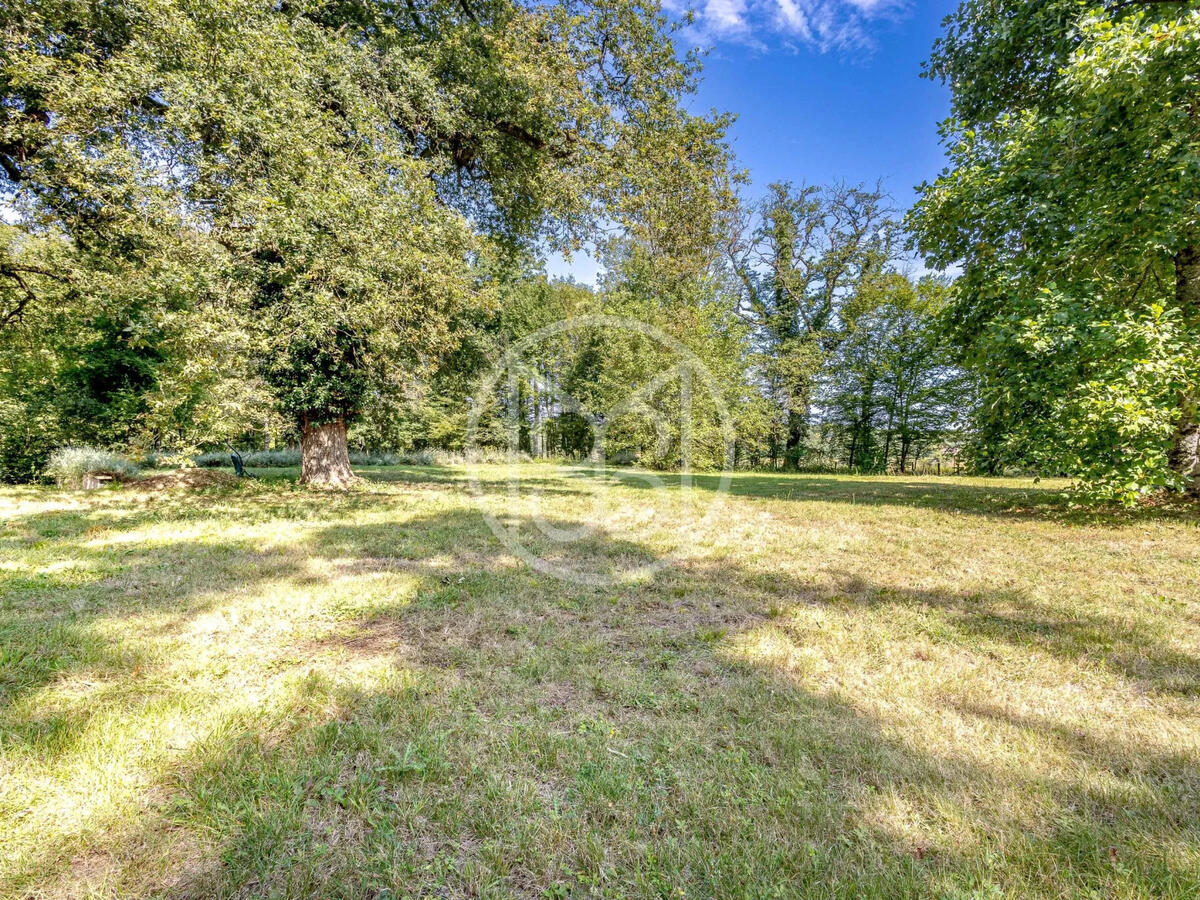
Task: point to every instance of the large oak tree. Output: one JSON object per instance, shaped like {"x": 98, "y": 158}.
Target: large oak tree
{"x": 1072, "y": 203}
{"x": 299, "y": 190}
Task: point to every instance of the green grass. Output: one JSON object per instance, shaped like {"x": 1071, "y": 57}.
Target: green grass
{"x": 841, "y": 687}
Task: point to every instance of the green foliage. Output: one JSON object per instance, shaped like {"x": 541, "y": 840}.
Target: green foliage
{"x": 846, "y": 348}
{"x": 797, "y": 258}
{"x": 288, "y": 207}
{"x": 1094, "y": 397}
{"x": 69, "y": 371}
{"x": 891, "y": 389}
{"x": 574, "y": 385}
{"x": 239, "y": 219}
{"x": 707, "y": 387}
{"x": 28, "y": 435}
{"x": 68, "y": 465}
{"x": 291, "y": 457}
{"x": 1072, "y": 204}
{"x": 30, "y": 426}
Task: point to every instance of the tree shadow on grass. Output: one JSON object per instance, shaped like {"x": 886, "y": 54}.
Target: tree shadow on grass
{"x": 998, "y": 499}
{"x": 519, "y": 733}
{"x": 499, "y": 732}
{"x": 55, "y": 612}
{"x": 993, "y": 499}
{"x": 1139, "y": 652}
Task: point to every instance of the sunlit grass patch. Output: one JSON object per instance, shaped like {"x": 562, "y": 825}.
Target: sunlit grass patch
{"x": 841, "y": 687}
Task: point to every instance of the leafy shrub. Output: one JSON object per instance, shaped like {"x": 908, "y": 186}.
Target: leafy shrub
{"x": 1104, "y": 392}
{"x": 461, "y": 457}
{"x": 373, "y": 458}
{"x": 213, "y": 459}
{"x": 419, "y": 458}
{"x": 154, "y": 459}
{"x": 25, "y": 446}
{"x": 269, "y": 459}
{"x": 68, "y": 465}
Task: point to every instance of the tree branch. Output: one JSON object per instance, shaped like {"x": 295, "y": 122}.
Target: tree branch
{"x": 10, "y": 167}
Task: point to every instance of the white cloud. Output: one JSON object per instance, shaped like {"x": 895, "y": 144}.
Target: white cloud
{"x": 869, "y": 6}
{"x": 793, "y": 19}
{"x": 725, "y": 16}
{"x": 823, "y": 24}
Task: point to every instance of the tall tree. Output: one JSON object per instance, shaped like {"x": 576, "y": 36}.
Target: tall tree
{"x": 890, "y": 386}
{"x": 799, "y": 256}
{"x": 318, "y": 176}
{"x": 1072, "y": 203}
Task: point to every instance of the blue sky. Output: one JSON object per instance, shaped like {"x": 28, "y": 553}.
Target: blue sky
{"x": 824, "y": 90}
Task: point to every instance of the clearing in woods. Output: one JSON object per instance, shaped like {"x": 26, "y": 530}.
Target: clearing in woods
{"x": 839, "y": 687}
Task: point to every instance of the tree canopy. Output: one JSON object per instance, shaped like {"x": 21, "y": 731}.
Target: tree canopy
{"x": 316, "y": 187}
{"x": 1072, "y": 204}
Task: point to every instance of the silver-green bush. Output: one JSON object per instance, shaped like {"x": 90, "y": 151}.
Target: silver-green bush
{"x": 290, "y": 457}
{"x": 68, "y": 465}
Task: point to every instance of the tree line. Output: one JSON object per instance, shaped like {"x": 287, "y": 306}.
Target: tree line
{"x": 246, "y": 221}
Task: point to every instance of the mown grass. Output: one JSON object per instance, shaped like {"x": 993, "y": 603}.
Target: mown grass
{"x": 841, "y": 687}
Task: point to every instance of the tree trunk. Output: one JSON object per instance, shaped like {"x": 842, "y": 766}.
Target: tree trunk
{"x": 1185, "y": 454}
{"x": 887, "y": 441}
{"x": 796, "y": 424}
{"x": 536, "y": 437}
{"x": 324, "y": 454}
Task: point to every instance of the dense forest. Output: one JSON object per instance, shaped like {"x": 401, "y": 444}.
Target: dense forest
{"x": 233, "y": 222}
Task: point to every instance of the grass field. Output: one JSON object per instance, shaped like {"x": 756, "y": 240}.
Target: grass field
{"x": 839, "y": 687}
